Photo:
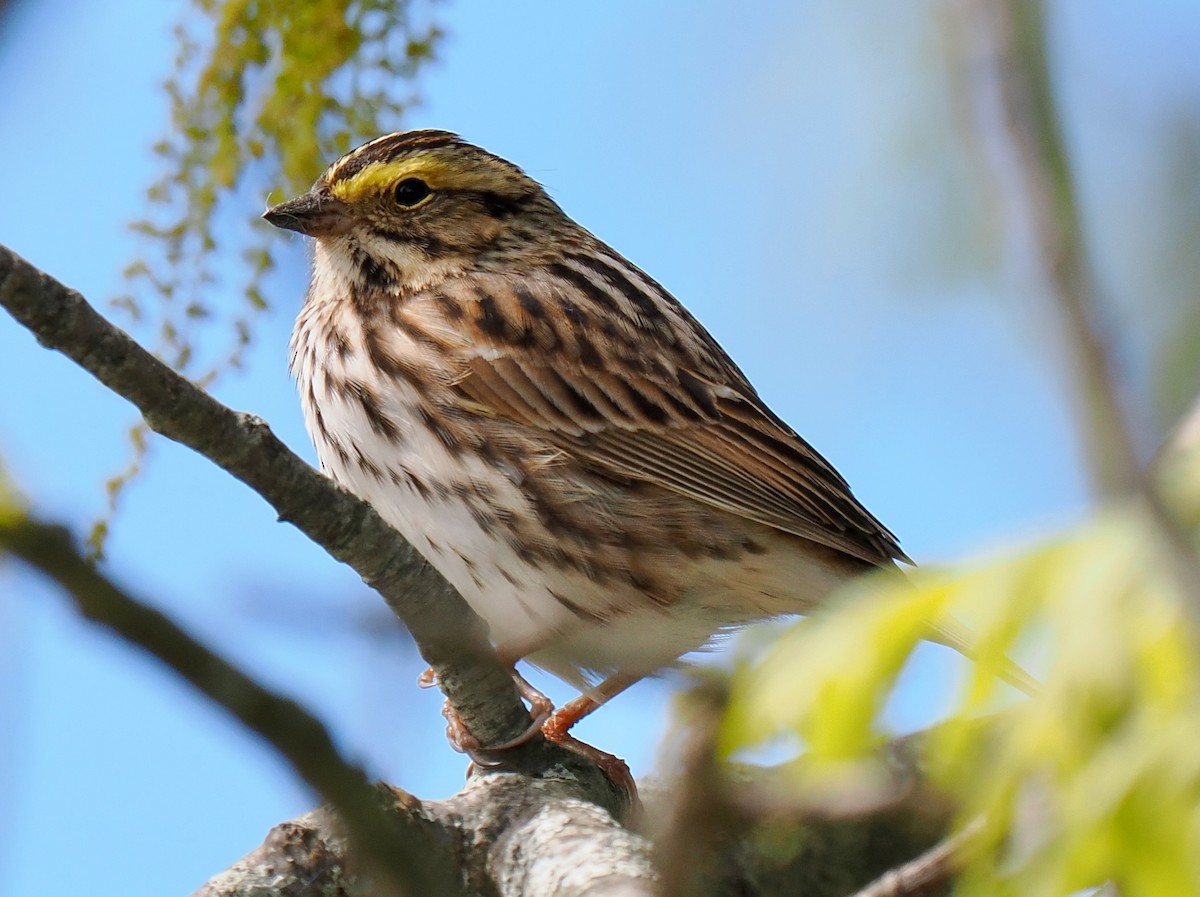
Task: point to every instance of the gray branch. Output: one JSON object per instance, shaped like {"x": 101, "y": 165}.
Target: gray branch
{"x": 516, "y": 837}
{"x": 521, "y": 837}
{"x": 1030, "y": 131}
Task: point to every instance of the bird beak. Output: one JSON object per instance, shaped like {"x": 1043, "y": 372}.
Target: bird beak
{"x": 311, "y": 214}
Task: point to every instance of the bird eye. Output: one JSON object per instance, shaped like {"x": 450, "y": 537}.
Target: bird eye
{"x": 411, "y": 191}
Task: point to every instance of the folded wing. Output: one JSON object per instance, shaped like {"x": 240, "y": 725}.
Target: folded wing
{"x": 635, "y": 402}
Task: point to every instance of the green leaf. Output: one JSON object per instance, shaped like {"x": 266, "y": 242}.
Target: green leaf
{"x": 1103, "y": 756}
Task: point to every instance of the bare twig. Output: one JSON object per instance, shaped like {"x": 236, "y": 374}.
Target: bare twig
{"x": 400, "y": 846}
{"x": 922, "y": 875}
{"x": 1043, "y": 174}
{"x": 449, "y": 635}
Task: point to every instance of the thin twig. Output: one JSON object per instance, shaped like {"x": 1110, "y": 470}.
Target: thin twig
{"x": 399, "y": 846}
{"x": 928, "y": 871}
{"x": 449, "y": 635}
{"x": 1031, "y": 131}
{"x": 1033, "y": 142}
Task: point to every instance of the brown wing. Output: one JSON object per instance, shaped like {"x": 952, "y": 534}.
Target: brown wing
{"x": 645, "y": 393}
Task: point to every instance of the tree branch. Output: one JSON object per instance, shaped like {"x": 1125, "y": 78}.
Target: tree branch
{"x": 1031, "y": 138}
{"x": 1043, "y": 174}
{"x": 516, "y": 837}
{"x": 397, "y": 845}
{"x": 921, "y": 876}
{"x": 449, "y": 635}
{"x": 524, "y": 837}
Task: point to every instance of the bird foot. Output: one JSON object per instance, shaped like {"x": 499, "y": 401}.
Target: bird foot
{"x": 546, "y": 722}
{"x": 562, "y": 720}
{"x": 557, "y": 729}
{"x": 614, "y": 768}
{"x": 463, "y": 741}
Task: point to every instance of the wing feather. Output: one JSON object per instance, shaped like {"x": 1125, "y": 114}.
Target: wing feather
{"x": 687, "y": 421}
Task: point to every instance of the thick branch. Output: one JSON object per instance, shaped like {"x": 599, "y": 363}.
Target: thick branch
{"x": 524, "y": 837}
{"x": 450, "y": 637}
{"x": 517, "y": 837}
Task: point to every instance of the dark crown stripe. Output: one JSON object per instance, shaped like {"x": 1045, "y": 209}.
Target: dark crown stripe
{"x": 391, "y": 147}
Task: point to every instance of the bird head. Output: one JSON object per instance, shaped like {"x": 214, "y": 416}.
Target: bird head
{"x": 411, "y": 203}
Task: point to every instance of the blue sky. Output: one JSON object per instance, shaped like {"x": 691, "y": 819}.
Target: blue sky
{"x": 796, "y": 176}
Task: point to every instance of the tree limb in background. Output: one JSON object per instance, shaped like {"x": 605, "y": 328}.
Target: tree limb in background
{"x": 1030, "y": 132}
{"x": 397, "y": 844}
{"x": 449, "y": 635}
{"x": 1030, "y": 138}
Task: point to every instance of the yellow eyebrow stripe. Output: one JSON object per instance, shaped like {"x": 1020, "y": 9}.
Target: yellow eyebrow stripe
{"x": 380, "y": 176}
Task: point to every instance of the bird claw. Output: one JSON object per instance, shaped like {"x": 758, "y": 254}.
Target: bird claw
{"x": 462, "y": 740}
{"x": 546, "y": 723}
{"x": 539, "y": 704}
{"x": 614, "y": 768}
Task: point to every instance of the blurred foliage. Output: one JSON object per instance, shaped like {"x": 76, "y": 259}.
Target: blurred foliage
{"x": 12, "y": 504}
{"x": 265, "y": 94}
{"x": 1177, "y": 470}
{"x": 1097, "y": 774}
{"x": 1094, "y": 777}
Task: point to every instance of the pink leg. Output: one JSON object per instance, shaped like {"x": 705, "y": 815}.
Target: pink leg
{"x": 557, "y": 729}
{"x": 560, "y": 723}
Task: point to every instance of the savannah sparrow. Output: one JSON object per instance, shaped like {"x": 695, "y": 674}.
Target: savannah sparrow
{"x": 548, "y": 425}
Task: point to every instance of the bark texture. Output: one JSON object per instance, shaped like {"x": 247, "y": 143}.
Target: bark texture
{"x": 537, "y": 837}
